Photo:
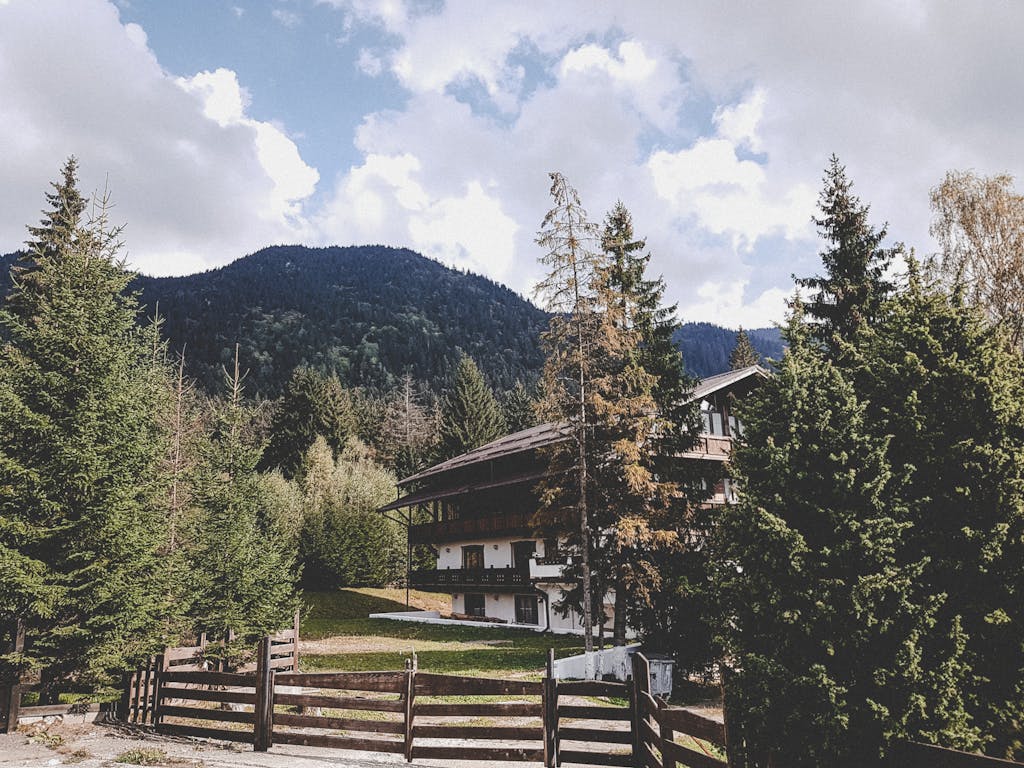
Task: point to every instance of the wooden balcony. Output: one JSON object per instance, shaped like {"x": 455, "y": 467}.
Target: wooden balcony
{"x": 471, "y": 579}
{"x": 509, "y": 524}
{"x": 714, "y": 447}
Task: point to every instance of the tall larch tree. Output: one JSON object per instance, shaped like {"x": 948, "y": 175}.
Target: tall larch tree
{"x": 79, "y": 447}
{"x": 574, "y": 352}
{"x": 470, "y": 415}
{"x": 743, "y": 355}
{"x": 409, "y": 429}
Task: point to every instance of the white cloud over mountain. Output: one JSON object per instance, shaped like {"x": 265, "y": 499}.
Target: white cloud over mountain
{"x": 712, "y": 122}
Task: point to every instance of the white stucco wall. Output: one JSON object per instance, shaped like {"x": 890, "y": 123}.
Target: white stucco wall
{"x": 497, "y": 552}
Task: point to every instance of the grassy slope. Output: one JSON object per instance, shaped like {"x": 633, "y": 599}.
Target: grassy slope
{"x": 339, "y": 618}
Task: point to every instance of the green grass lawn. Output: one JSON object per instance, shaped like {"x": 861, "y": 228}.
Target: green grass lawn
{"x": 346, "y": 640}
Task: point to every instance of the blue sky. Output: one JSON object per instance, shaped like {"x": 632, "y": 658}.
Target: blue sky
{"x": 222, "y": 126}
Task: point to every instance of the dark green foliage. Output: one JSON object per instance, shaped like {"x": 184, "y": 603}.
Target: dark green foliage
{"x": 837, "y": 649}
{"x": 848, "y": 298}
{"x": 244, "y": 564}
{"x": 78, "y": 452}
{"x": 312, "y": 405}
{"x": 366, "y": 314}
{"x": 470, "y": 416}
{"x": 944, "y": 386}
{"x": 519, "y": 409}
{"x": 656, "y": 550}
{"x": 743, "y": 354}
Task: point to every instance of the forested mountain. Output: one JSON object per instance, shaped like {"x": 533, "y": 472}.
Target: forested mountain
{"x": 706, "y": 347}
{"x": 369, "y": 314}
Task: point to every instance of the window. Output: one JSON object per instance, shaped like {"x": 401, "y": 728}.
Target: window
{"x": 474, "y": 605}
{"x": 526, "y": 609}
{"x": 473, "y": 557}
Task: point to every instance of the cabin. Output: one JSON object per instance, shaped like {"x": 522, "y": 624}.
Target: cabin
{"x": 476, "y": 510}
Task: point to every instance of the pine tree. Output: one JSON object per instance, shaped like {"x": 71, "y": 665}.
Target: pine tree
{"x": 470, "y": 416}
{"x": 743, "y": 355}
{"x": 518, "y": 407}
{"x": 79, "y": 447}
{"x": 950, "y": 394}
{"x": 847, "y": 298}
{"x": 244, "y": 564}
{"x": 648, "y": 491}
{"x": 836, "y": 649}
{"x": 312, "y": 405}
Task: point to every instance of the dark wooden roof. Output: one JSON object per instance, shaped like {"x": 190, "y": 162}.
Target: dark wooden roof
{"x": 552, "y": 432}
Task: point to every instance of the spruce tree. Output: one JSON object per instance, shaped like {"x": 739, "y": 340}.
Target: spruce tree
{"x": 650, "y": 494}
{"x": 79, "y": 446}
{"x": 948, "y": 391}
{"x": 846, "y": 300}
{"x": 743, "y": 355}
{"x": 244, "y": 563}
{"x": 470, "y": 415}
{"x": 312, "y": 405}
{"x": 836, "y": 649}
{"x": 518, "y": 407}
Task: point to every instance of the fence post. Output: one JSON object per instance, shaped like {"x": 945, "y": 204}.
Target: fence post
{"x": 11, "y": 693}
{"x": 549, "y": 707}
{"x": 410, "y": 693}
{"x": 147, "y": 710}
{"x": 641, "y": 684}
{"x": 295, "y": 640}
{"x": 264, "y": 709}
{"x": 158, "y": 671}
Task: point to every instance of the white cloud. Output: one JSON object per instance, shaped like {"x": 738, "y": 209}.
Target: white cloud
{"x": 197, "y": 181}
{"x": 286, "y": 18}
{"x": 369, "y": 63}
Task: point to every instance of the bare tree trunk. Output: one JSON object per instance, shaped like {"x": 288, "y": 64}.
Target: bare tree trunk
{"x": 619, "y": 621}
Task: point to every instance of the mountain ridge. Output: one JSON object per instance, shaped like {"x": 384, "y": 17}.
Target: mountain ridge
{"x": 369, "y": 314}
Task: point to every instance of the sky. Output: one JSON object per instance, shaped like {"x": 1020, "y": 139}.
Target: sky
{"x": 223, "y": 126}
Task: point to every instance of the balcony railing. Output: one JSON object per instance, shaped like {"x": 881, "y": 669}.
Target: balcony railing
{"x": 451, "y": 579}
{"x": 509, "y": 524}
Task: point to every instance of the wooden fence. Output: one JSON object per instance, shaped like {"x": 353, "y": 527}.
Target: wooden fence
{"x": 139, "y": 688}
{"x": 413, "y": 714}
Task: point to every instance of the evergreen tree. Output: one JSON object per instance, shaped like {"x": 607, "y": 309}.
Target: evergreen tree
{"x": 649, "y": 423}
{"x": 79, "y": 446}
{"x": 945, "y": 387}
{"x": 312, "y": 405}
{"x": 847, "y": 298}
{"x": 743, "y": 354}
{"x": 470, "y": 416}
{"x": 519, "y": 409}
{"x": 244, "y": 564}
{"x": 836, "y": 649}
